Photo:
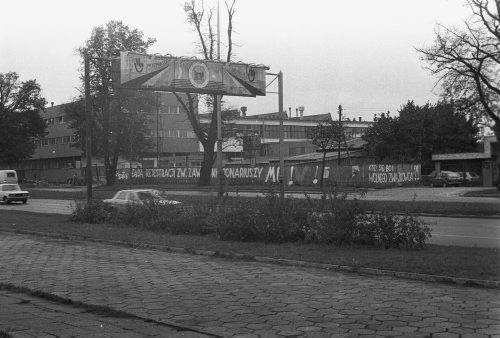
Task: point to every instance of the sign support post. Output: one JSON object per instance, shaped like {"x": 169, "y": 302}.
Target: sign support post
{"x": 281, "y": 150}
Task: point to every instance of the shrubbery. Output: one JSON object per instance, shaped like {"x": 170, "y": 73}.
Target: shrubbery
{"x": 333, "y": 220}
{"x": 260, "y": 219}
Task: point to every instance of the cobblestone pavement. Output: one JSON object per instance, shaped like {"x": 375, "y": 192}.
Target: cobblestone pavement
{"x": 22, "y": 315}
{"x": 234, "y": 298}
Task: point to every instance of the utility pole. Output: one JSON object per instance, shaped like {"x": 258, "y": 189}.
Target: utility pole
{"x": 220, "y": 171}
{"x": 340, "y": 134}
{"x": 157, "y": 130}
{"x": 88, "y": 127}
{"x": 281, "y": 151}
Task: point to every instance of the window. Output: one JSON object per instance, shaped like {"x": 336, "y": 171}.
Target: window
{"x": 172, "y": 133}
{"x": 173, "y": 110}
{"x": 60, "y": 119}
{"x": 121, "y": 196}
{"x": 183, "y": 133}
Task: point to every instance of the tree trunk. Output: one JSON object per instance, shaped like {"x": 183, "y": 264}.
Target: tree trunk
{"x": 496, "y": 165}
{"x": 322, "y": 169}
{"x": 206, "y": 166}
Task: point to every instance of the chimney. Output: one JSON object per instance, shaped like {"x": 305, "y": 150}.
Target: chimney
{"x": 359, "y": 119}
{"x": 244, "y": 111}
{"x": 301, "y": 110}
{"x": 289, "y": 112}
{"x": 52, "y": 104}
{"x": 297, "y": 112}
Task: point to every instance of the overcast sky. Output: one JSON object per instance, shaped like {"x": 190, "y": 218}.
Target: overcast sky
{"x": 359, "y": 54}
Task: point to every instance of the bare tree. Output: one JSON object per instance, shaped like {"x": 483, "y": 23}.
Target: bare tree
{"x": 325, "y": 136}
{"x": 202, "y": 22}
{"x": 467, "y": 61}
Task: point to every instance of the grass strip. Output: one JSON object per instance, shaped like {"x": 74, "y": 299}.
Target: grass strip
{"x": 456, "y": 262}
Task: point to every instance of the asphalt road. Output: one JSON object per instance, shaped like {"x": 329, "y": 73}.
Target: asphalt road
{"x": 459, "y": 231}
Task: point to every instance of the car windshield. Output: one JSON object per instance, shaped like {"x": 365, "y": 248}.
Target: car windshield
{"x": 147, "y": 195}
{"x": 472, "y": 174}
{"x": 451, "y": 174}
{"x": 10, "y": 187}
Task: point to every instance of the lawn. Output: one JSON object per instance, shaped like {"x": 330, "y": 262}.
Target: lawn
{"x": 475, "y": 263}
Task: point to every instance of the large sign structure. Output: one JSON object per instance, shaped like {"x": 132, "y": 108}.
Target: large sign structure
{"x": 173, "y": 74}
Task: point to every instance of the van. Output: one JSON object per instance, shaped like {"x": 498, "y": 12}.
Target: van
{"x": 8, "y": 176}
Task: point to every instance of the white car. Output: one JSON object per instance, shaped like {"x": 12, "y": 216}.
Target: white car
{"x": 12, "y": 192}
{"x": 138, "y": 196}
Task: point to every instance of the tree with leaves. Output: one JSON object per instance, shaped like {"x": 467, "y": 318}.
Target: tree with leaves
{"x": 20, "y": 122}
{"x": 418, "y": 132}
{"x": 112, "y": 109}
{"x": 202, "y": 21}
{"x": 325, "y": 136}
{"x": 467, "y": 61}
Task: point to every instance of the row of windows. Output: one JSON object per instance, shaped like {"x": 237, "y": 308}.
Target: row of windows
{"x": 176, "y": 133}
{"x": 56, "y": 140}
{"x": 171, "y": 110}
{"x": 54, "y": 120}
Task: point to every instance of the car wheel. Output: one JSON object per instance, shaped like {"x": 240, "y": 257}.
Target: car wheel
{"x": 445, "y": 185}
{"x": 5, "y": 200}
{"x": 432, "y": 185}
{"x": 24, "y": 201}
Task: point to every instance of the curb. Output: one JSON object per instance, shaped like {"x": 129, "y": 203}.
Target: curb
{"x": 100, "y": 309}
{"x": 468, "y": 282}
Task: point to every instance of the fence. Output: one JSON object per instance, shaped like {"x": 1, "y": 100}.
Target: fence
{"x": 363, "y": 175}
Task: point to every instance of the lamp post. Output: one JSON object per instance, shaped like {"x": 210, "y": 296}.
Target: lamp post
{"x": 281, "y": 151}
{"x": 88, "y": 127}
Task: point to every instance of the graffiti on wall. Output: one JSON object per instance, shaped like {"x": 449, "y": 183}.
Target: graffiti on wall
{"x": 303, "y": 175}
{"x": 393, "y": 173}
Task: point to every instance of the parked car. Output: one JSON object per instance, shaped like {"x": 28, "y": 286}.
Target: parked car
{"x": 446, "y": 179}
{"x": 12, "y": 192}
{"x": 470, "y": 177}
{"x": 138, "y": 196}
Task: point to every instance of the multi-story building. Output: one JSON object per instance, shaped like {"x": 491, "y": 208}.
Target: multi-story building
{"x": 174, "y": 144}
{"x": 265, "y": 130}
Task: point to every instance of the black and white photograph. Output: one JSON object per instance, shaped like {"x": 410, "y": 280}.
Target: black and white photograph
{"x": 238, "y": 168}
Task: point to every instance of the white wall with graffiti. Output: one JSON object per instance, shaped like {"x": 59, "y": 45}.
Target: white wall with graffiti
{"x": 299, "y": 175}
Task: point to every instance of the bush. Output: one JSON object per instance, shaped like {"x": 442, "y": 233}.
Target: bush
{"x": 93, "y": 212}
{"x": 335, "y": 221}
{"x": 393, "y": 231}
{"x": 332, "y": 220}
{"x": 260, "y": 219}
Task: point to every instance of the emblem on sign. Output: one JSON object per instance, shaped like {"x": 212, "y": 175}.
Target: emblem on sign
{"x": 138, "y": 65}
{"x": 251, "y": 73}
{"x": 198, "y": 74}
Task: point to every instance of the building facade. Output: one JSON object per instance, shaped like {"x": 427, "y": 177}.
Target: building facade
{"x": 248, "y": 139}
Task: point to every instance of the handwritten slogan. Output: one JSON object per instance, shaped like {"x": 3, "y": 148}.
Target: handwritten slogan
{"x": 304, "y": 175}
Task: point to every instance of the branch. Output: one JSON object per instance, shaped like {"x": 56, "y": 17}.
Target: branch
{"x": 189, "y": 108}
{"x": 230, "y": 12}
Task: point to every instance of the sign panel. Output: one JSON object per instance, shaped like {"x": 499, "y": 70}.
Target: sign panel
{"x": 168, "y": 73}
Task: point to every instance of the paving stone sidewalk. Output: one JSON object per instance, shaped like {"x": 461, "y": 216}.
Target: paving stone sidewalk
{"x": 233, "y": 298}
{"x": 22, "y": 315}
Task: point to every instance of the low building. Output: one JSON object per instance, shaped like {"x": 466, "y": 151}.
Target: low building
{"x": 481, "y": 162}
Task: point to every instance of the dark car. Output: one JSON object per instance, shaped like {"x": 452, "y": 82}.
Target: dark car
{"x": 446, "y": 179}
